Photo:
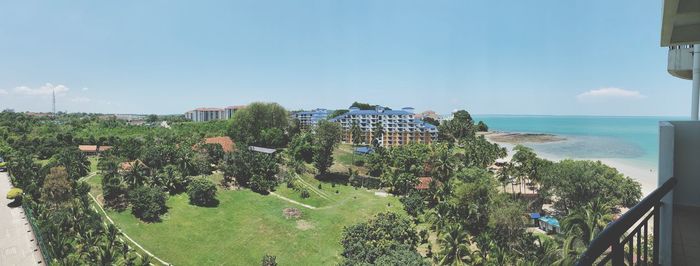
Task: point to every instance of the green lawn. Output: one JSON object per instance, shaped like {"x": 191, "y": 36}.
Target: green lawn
{"x": 343, "y": 157}
{"x": 246, "y": 225}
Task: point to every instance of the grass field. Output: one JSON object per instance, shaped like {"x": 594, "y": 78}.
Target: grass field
{"x": 246, "y": 225}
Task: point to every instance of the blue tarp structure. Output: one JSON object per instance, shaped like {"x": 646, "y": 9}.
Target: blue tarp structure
{"x": 363, "y": 150}
{"x": 535, "y": 215}
{"x": 549, "y": 224}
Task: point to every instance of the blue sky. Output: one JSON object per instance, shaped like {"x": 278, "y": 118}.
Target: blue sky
{"x": 580, "y": 57}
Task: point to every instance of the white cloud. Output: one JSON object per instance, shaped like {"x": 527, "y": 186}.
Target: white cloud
{"x": 85, "y": 89}
{"x": 81, "y": 99}
{"x": 47, "y": 89}
{"x": 3, "y": 92}
{"x": 610, "y": 93}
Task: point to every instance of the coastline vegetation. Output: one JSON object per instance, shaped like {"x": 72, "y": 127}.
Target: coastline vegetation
{"x": 192, "y": 203}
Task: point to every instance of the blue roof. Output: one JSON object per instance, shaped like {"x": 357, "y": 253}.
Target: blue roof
{"x": 550, "y": 220}
{"x": 317, "y": 111}
{"x": 363, "y": 150}
{"x": 535, "y": 215}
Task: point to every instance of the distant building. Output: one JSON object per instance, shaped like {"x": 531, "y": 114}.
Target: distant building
{"x": 93, "y": 149}
{"x": 211, "y": 114}
{"x": 205, "y": 114}
{"x": 229, "y": 111}
{"x": 399, "y": 126}
{"x": 310, "y": 118}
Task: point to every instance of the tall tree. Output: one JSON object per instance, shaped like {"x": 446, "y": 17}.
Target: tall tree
{"x": 260, "y": 124}
{"x": 326, "y": 139}
{"x": 456, "y": 247}
{"x": 57, "y": 188}
{"x": 460, "y": 128}
{"x": 357, "y": 137}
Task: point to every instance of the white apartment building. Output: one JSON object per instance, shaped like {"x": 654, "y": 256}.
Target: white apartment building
{"x": 210, "y": 114}
{"x": 399, "y": 126}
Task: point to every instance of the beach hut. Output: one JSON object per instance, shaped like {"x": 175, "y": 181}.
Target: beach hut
{"x": 535, "y": 217}
{"x": 549, "y": 224}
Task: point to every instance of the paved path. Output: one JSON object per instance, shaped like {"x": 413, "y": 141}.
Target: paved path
{"x": 17, "y": 243}
{"x": 292, "y": 201}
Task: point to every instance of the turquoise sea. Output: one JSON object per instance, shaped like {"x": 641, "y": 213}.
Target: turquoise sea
{"x": 633, "y": 139}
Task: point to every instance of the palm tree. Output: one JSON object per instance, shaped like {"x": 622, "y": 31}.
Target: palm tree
{"x": 443, "y": 162}
{"x": 586, "y": 223}
{"x": 503, "y": 175}
{"x": 76, "y": 163}
{"x": 440, "y": 217}
{"x": 356, "y": 133}
{"x": 136, "y": 176}
{"x": 456, "y": 247}
{"x": 378, "y": 129}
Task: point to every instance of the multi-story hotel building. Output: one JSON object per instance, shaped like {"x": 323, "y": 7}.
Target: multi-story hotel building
{"x": 399, "y": 126}
{"x": 209, "y": 114}
{"x": 205, "y": 114}
{"x": 310, "y": 118}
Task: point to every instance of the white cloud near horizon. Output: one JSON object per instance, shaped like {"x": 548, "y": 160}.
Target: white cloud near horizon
{"x": 609, "y": 93}
{"x": 46, "y": 89}
{"x": 3, "y": 92}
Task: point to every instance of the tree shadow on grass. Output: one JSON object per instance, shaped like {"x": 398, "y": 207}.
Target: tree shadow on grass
{"x": 210, "y": 204}
{"x": 335, "y": 178}
{"x": 15, "y": 204}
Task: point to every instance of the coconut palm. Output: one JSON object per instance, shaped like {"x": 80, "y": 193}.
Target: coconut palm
{"x": 456, "y": 247}
{"x": 503, "y": 175}
{"x": 377, "y": 134}
{"x": 586, "y": 223}
{"x": 136, "y": 176}
{"x": 443, "y": 162}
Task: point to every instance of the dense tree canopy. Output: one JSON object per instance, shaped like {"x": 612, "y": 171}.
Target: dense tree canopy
{"x": 577, "y": 183}
{"x": 380, "y": 236}
{"x": 148, "y": 203}
{"x": 260, "y": 124}
{"x": 202, "y": 192}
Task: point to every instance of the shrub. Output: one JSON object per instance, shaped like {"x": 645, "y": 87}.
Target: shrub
{"x": 336, "y": 191}
{"x": 290, "y": 184}
{"x": 261, "y": 184}
{"x": 202, "y": 192}
{"x": 359, "y": 163}
{"x": 269, "y": 260}
{"x": 319, "y": 186}
{"x": 14, "y": 194}
{"x": 305, "y": 194}
{"x": 148, "y": 203}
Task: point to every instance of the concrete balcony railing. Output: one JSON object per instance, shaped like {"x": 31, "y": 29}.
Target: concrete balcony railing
{"x": 674, "y": 208}
{"x": 680, "y": 61}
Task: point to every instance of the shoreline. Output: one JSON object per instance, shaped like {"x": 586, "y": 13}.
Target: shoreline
{"x": 646, "y": 175}
{"x": 520, "y": 137}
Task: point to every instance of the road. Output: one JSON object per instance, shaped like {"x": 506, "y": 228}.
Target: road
{"x": 17, "y": 243}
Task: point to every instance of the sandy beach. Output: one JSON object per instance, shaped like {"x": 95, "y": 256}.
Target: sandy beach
{"x": 646, "y": 176}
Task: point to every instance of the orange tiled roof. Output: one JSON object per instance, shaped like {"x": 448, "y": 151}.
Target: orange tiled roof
{"x": 93, "y": 148}
{"x": 226, "y": 143}
{"x": 424, "y": 183}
